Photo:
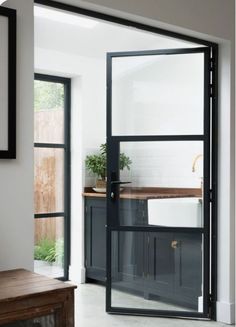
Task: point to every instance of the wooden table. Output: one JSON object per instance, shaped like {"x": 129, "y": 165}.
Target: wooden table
{"x": 29, "y": 297}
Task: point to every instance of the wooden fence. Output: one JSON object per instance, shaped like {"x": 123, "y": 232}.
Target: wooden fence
{"x": 49, "y": 175}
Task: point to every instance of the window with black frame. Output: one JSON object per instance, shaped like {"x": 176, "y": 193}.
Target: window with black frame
{"x": 51, "y": 175}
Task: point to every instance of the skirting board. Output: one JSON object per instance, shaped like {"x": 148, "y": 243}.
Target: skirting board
{"x": 77, "y": 275}
{"x": 225, "y": 312}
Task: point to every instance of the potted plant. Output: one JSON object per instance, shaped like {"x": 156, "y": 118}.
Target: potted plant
{"x": 97, "y": 164}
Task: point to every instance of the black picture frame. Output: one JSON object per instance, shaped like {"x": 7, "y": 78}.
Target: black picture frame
{"x": 8, "y": 81}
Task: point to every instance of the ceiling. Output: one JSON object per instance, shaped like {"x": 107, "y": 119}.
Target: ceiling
{"x": 63, "y": 34}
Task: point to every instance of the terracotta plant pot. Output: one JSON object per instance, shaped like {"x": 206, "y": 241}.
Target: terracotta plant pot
{"x": 101, "y": 183}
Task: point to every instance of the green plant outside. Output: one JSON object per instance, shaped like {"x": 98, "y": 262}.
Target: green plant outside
{"x": 50, "y": 251}
{"x": 48, "y": 96}
{"x": 97, "y": 163}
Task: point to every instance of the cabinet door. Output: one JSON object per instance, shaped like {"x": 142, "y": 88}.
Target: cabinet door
{"x": 130, "y": 256}
{"x": 132, "y": 213}
{"x": 188, "y": 267}
{"x": 95, "y": 222}
{"x": 160, "y": 264}
{"x": 95, "y": 241}
{"x": 174, "y": 267}
{"x": 128, "y": 248}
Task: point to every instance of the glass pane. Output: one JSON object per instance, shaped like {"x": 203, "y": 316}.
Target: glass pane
{"x": 49, "y": 246}
{"x": 48, "y": 180}
{"x": 166, "y": 183}
{"x": 157, "y": 270}
{"x": 49, "y": 112}
{"x": 158, "y": 94}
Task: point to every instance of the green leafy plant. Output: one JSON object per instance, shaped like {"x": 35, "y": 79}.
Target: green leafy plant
{"x": 42, "y": 249}
{"x": 48, "y": 96}
{"x": 50, "y": 251}
{"x": 97, "y": 163}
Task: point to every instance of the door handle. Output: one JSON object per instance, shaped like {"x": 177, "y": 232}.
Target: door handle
{"x": 174, "y": 244}
{"x": 113, "y": 188}
{"x": 119, "y": 182}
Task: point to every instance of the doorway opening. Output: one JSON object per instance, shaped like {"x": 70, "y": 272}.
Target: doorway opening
{"x": 173, "y": 153}
{"x": 51, "y": 175}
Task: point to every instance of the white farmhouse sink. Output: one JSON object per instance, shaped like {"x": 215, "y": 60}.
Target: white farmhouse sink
{"x": 175, "y": 212}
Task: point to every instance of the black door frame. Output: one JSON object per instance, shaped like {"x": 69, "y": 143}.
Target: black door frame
{"x": 214, "y": 112}
{"x": 67, "y": 166}
{"x": 113, "y": 143}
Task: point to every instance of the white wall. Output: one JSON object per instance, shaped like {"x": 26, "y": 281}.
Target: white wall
{"x": 16, "y": 187}
{"x": 88, "y": 119}
{"x": 163, "y": 164}
{"x": 226, "y": 173}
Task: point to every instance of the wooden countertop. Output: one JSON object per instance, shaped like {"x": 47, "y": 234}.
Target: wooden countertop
{"x": 146, "y": 193}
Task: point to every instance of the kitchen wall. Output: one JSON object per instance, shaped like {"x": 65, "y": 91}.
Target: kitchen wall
{"x": 163, "y": 164}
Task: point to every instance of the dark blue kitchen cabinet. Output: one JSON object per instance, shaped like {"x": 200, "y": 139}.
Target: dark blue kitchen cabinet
{"x": 95, "y": 238}
{"x": 156, "y": 265}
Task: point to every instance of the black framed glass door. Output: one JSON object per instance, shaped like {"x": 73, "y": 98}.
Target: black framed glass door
{"x": 158, "y": 210}
{"x": 52, "y": 175}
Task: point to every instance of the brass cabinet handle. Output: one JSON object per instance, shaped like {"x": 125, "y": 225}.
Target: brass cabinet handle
{"x": 174, "y": 244}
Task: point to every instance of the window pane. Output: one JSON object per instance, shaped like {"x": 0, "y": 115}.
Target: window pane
{"x": 158, "y": 94}
{"x": 172, "y": 164}
{"x": 49, "y": 246}
{"x": 167, "y": 177}
{"x": 157, "y": 271}
{"x": 48, "y": 180}
{"x": 49, "y": 112}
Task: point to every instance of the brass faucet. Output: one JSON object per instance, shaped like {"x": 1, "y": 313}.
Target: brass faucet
{"x": 195, "y": 161}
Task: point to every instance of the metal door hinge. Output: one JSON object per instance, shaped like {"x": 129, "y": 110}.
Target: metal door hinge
{"x": 210, "y": 299}
{"x": 212, "y": 64}
{"x": 210, "y": 196}
{"x": 212, "y": 307}
{"x": 211, "y": 91}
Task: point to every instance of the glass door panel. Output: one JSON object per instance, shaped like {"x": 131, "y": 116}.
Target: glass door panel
{"x": 48, "y": 180}
{"x": 49, "y": 246}
{"x": 51, "y": 175}
{"x": 48, "y": 112}
{"x": 158, "y": 210}
{"x": 166, "y": 184}
{"x": 157, "y": 93}
{"x": 157, "y": 271}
